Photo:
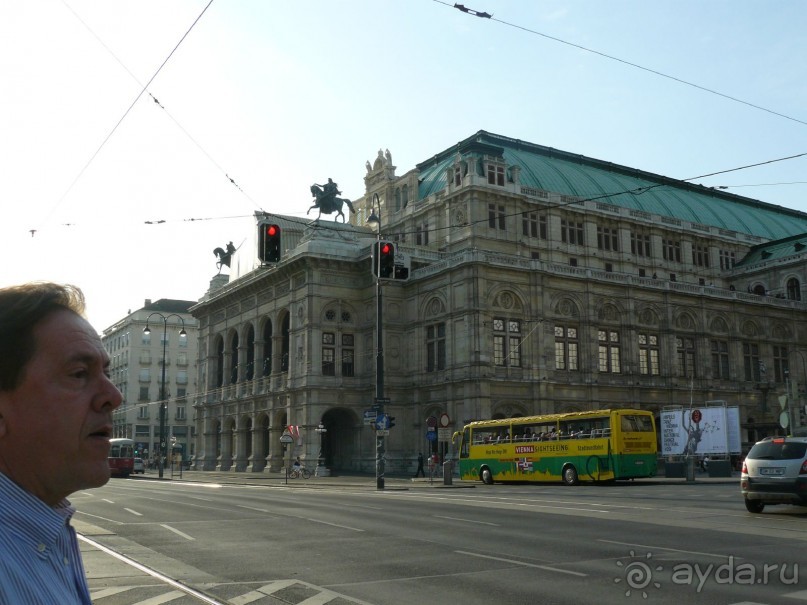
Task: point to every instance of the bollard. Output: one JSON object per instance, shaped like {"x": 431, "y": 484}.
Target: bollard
{"x": 447, "y": 472}
{"x": 690, "y": 468}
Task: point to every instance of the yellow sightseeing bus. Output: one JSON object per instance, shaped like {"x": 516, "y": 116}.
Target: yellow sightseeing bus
{"x": 601, "y": 445}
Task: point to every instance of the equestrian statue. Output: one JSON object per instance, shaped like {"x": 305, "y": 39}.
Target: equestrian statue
{"x": 224, "y": 256}
{"x": 326, "y": 200}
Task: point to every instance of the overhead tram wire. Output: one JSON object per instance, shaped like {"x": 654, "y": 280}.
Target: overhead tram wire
{"x": 126, "y": 113}
{"x": 490, "y": 17}
{"x": 161, "y": 106}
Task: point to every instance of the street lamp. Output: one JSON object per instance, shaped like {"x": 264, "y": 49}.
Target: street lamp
{"x": 322, "y": 470}
{"x": 375, "y": 219}
{"x": 182, "y": 333}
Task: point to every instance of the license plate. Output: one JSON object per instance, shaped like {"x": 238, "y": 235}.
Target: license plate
{"x": 775, "y": 471}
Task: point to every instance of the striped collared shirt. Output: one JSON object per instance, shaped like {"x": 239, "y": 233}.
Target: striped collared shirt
{"x": 40, "y": 561}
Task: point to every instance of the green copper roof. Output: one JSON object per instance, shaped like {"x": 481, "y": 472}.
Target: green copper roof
{"x": 576, "y": 175}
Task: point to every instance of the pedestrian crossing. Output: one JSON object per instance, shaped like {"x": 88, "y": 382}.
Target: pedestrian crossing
{"x": 286, "y": 592}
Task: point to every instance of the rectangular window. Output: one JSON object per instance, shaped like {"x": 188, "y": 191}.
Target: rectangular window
{"x": 640, "y": 244}
{"x": 671, "y": 250}
{"x": 609, "y": 352}
{"x": 143, "y": 411}
{"x": 348, "y": 354}
{"x": 780, "y": 367}
{"x": 686, "y": 357}
{"x": 496, "y": 216}
{"x": 457, "y": 175}
{"x": 422, "y": 234}
{"x": 752, "y": 366}
{"x": 700, "y": 255}
{"x": 144, "y": 394}
{"x": 436, "y": 347}
{"x": 182, "y": 377}
{"x": 506, "y": 342}
{"x": 495, "y": 175}
{"x": 566, "y": 347}
{"x": 720, "y": 359}
{"x": 146, "y": 338}
{"x": 727, "y": 259}
{"x": 571, "y": 232}
{"x": 533, "y": 225}
{"x": 328, "y": 354}
{"x": 145, "y": 375}
{"x": 181, "y": 412}
{"x": 607, "y": 239}
{"x": 648, "y": 354}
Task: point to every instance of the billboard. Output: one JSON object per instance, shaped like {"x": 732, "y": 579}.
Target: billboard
{"x": 700, "y": 431}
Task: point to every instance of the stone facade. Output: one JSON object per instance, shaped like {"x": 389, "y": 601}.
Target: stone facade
{"x": 136, "y": 369}
{"x": 520, "y": 301}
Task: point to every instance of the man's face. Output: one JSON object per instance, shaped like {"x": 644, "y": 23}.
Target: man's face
{"x": 55, "y": 426}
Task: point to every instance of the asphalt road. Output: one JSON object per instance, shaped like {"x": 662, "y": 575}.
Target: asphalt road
{"x": 343, "y": 541}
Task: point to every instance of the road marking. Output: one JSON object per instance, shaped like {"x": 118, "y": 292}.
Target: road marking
{"x": 165, "y": 579}
{"x": 335, "y": 525}
{"x": 522, "y": 563}
{"x": 260, "y": 510}
{"x": 467, "y": 520}
{"x": 177, "y": 532}
{"x": 654, "y": 548}
{"x": 163, "y": 598}
{"x": 106, "y": 500}
{"x": 134, "y": 512}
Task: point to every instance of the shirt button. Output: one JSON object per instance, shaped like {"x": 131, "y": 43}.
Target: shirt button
{"x": 41, "y": 547}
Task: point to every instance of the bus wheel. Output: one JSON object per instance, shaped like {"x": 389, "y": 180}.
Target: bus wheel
{"x": 486, "y": 476}
{"x": 570, "y": 475}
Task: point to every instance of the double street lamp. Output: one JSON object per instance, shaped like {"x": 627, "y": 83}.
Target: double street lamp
{"x": 182, "y": 333}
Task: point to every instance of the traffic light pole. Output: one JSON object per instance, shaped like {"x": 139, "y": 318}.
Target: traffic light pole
{"x": 380, "y": 450}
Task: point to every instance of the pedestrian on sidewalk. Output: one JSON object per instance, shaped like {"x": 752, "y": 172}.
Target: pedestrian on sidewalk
{"x": 56, "y": 404}
{"x": 420, "y": 472}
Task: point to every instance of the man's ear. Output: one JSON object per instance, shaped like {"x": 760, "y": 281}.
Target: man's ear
{"x": 3, "y": 403}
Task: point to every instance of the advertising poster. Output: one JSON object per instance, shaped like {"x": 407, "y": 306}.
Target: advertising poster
{"x": 700, "y": 431}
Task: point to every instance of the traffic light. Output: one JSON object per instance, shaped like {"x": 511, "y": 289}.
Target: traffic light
{"x": 384, "y": 260}
{"x": 390, "y": 421}
{"x": 269, "y": 243}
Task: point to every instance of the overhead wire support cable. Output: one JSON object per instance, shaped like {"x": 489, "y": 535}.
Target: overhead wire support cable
{"x": 128, "y": 110}
{"x": 626, "y": 62}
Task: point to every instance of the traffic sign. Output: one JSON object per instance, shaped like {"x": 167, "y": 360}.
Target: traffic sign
{"x": 431, "y": 436}
{"x": 444, "y": 420}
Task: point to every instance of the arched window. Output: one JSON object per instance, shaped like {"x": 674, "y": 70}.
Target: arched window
{"x": 397, "y": 200}
{"x": 250, "y": 354}
{"x": 405, "y": 195}
{"x": 793, "y": 289}
{"x": 267, "y": 348}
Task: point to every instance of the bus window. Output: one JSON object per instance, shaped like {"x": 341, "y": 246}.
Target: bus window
{"x": 466, "y": 438}
{"x": 636, "y": 424}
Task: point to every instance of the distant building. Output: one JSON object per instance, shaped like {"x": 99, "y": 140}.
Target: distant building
{"x": 136, "y": 368}
{"x": 541, "y": 281}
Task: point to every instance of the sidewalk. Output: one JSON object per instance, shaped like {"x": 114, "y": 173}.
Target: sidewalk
{"x": 360, "y": 480}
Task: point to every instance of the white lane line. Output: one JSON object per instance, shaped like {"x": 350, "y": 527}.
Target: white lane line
{"x": 134, "y": 512}
{"x": 467, "y": 520}
{"x": 522, "y": 563}
{"x": 654, "y": 548}
{"x": 335, "y": 525}
{"x": 106, "y": 500}
{"x": 260, "y": 510}
{"x": 177, "y": 532}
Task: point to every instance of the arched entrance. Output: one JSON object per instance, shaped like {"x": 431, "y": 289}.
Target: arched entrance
{"x": 340, "y": 442}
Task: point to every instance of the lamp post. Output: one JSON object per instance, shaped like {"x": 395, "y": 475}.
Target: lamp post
{"x": 322, "y": 470}
{"x": 380, "y": 451}
{"x": 182, "y": 333}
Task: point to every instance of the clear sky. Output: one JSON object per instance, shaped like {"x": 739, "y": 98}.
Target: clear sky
{"x": 280, "y": 95}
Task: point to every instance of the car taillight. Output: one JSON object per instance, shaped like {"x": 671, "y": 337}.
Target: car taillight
{"x": 803, "y": 469}
{"x": 745, "y": 468}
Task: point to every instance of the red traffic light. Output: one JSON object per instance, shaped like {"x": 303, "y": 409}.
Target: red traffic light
{"x": 272, "y": 230}
{"x": 386, "y": 248}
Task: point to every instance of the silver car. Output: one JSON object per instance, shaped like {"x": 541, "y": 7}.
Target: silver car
{"x": 775, "y": 472}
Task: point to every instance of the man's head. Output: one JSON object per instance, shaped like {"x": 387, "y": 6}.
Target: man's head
{"x": 56, "y": 399}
